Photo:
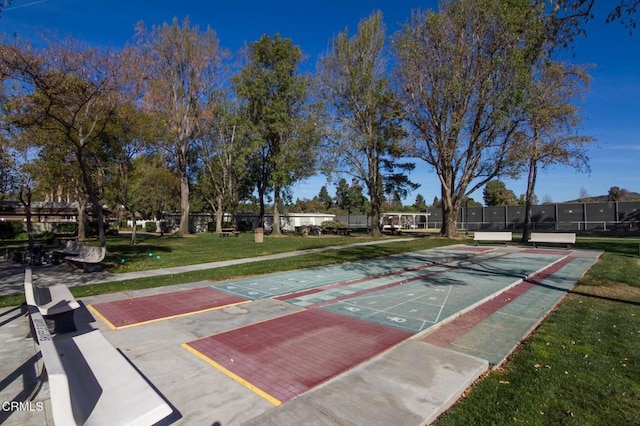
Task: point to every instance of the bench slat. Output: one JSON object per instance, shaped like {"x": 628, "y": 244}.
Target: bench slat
{"x": 91, "y": 383}
{"x": 58, "y": 384}
{"x": 548, "y": 237}
{"x": 553, "y": 238}
{"x": 105, "y": 387}
{"x": 492, "y": 236}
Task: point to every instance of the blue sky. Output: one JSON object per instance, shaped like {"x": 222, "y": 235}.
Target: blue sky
{"x": 611, "y": 110}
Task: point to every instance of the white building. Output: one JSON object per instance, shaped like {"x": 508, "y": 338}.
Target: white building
{"x": 289, "y": 222}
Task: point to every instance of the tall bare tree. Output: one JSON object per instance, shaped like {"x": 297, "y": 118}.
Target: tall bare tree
{"x": 549, "y": 135}
{"x": 223, "y": 155}
{"x": 180, "y": 69}
{"x": 463, "y": 73}
{"x": 569, "y": 16}
{"x": 3, "y": 4}
{"x": 363, "y": 123}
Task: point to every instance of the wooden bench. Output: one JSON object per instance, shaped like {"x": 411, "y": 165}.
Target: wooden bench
{"x": 88, "y": 258}
{"x": 567, "y": 238}
{"x": 229, "y": 232}
{"x": 55, "y": 303}
{"x": 91, "y": 382}
{"x": 492, "y": 236}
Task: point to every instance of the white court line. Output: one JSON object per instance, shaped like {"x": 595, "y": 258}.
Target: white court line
{"x": 388, "y": 311}
{"x": 443, "y": 304}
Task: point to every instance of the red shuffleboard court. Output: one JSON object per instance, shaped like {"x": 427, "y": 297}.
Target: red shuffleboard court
{"x": 477, "y": 249}
{"x": 284, "y": 357}
{"x": 545, "y": 251}
{"x": 139, "y": 310}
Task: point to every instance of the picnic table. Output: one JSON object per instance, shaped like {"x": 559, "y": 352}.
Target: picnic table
{"x": 229, "y": 232}
{"x": 336, "y": 231}
{"x": 26, "y": 255}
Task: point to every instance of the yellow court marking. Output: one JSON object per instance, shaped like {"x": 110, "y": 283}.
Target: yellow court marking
{"x": 114, "y": 327}
{"x": 95, "y": 313}
{"x": 234, "y": 376}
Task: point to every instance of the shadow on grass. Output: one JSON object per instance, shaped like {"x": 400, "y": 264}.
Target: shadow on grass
{"x": 620, "y": 246}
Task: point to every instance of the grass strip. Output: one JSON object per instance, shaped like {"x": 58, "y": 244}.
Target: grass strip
{"x": 582, "y": 365}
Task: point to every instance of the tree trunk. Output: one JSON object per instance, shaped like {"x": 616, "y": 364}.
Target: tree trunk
{"x": 450, "y": 206}
{"x": 25, "y": 199}
{"x": 449, "y": 221}
{"x": 374, "y": 186}
{"x": 100, "y": 213}
{"x": 375, "y": 216}
{"x": 184, "y": 204}
{"x": 85, "y": 169}
{"x": 134, "y": 228}
{"x": 261, "y": 201}
{"x": 82, "y": 220}
{"x": 219, "y": 213}
{"x": 276, "y": 212}
{"x": 531, "y": 184}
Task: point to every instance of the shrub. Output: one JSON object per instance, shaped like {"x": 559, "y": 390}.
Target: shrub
{"x": 150, "y": 226}
{"x": 164, "y": 226}
{"x": 71, "y": 227}
{"x": 244, "y": 226}
{"x": 332, "y": 224}
{"x": 9, "y": 230}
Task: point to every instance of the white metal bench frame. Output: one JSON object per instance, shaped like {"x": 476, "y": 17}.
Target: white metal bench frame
{"x": 92, "y": 383}
{"x": 492, "y": 236}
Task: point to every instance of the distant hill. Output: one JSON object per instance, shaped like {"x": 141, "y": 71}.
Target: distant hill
{"x": 629, "y": 196}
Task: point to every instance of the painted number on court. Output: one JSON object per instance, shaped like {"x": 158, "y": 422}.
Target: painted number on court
{"x": 397, "y": 319}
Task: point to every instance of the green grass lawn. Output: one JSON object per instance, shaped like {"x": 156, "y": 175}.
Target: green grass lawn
{"x": 582, "y": 365}
{"x": 205, "y": 248}
{"x": 153, "y": 251}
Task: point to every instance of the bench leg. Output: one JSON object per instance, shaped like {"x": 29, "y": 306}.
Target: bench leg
{"x": 91, "y": 267}
{"x": 61, "y": 323}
